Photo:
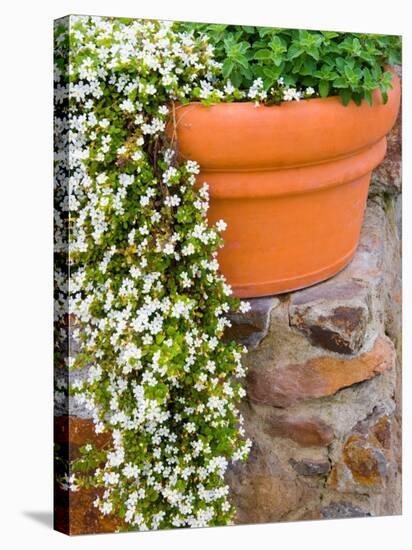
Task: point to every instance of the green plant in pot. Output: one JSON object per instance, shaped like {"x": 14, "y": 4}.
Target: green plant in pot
{"x": 289, "y": 162}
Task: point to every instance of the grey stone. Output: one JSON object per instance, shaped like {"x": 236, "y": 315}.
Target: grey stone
{"x": 309, "y": 467}
{"x": 338, "y": 510}
{"x": 334, "y": 317}
{"x": 250, "y": 328}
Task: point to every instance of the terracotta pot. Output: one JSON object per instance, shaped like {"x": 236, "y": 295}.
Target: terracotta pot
{"x": 291, "y": 181}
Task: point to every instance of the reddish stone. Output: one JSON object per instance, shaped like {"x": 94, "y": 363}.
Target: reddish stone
{"x": 306, "y": 431}
{"x": 383, "y": 432}
{"x": 283, "y": 385}
{"x": 264, "y": 491}
{"x": 365, "y": 460}
{"x": 363, "y": 467}
{"x": 74, "y": 514}
{"x": 76, "y": 432}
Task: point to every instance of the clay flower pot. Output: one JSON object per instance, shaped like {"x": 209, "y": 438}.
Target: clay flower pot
{"x": 291, "y": 181}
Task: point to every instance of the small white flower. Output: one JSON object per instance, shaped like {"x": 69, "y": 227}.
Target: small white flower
{"x": 192, "y": 167}
{"x": 229, "y": 88}
{"x": 221, "y": 225}
{"x": 127, "y": 106}
{"x": 244, "y": 306}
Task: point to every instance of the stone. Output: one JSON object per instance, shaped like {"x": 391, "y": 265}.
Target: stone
{"x": 76, "y": 515}
{"x": 338, "y": 510}
{"x": 306, "y": 431}
{"x": 378, "y": 423}
{"x": 307, "y": 467}
{"x": 387, "y": 177}
{"x": 74, "y": 432}
{"x": 365, "y": 461}
{"x": 382, "y": 431}
{"x": 262, "y": 489}
{"x": 284, "y": 385}
{"x": 251, "y": 327}
{"x": 368, "y": 266}
{"x": 363, "y": 468}
{"x": 343, "y": 410}
{"x": 334, "y": 317}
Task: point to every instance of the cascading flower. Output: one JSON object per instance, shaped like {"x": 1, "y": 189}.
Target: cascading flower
{"x": 145, "y": 293}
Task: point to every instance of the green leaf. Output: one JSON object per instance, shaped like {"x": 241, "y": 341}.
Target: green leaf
{"x": 313, "y": 52}
{"x": 247, "y": 73}
{"x": 236, "y": 78}
{"x": 227, "y": 68}
{"x": 294, "y": 51}
{"x": 340, "y": 83}
{"x": 340, "y": 63}
{"x": 323, "y": 88}
{"x": 345, "y": 96}
{"x": 271, "y": 72}
{"x": 368, "y": 97}
{"x": 264, "y": 31}
{"x": 263, "y": 55}
{"x": 242, "y": 61}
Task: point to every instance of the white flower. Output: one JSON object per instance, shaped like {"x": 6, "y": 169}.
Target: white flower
{"x": 290, "y": 94}
{"x": 229, "y": 88}
{"x": 169, "y": 248}
{"x": 106, "y": 508}
{"x": 172, "y": 200}
{"x": 244, "y": 306}
{"x": 192, "y": 167}
{"x": 188, "y": 250}
{"x": 127, "y": 105}
{"x": 256, "y": 91}
{"x": 101, "y": 178}
{"x": 221, "y": 225}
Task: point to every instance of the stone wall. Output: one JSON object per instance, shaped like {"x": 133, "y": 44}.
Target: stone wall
{"x": 323, "y": 404}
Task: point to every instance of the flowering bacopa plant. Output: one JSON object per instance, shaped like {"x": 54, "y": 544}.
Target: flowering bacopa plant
{"x": 147, "y": 304}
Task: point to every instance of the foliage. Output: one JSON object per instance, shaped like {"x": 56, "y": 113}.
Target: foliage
{"x": 148, "y": 306}
{"x": 332, "y": 63}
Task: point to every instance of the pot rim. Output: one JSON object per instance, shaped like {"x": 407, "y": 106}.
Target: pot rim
{"x": 238, "y": 136}
{"x": 376, "y": 91}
